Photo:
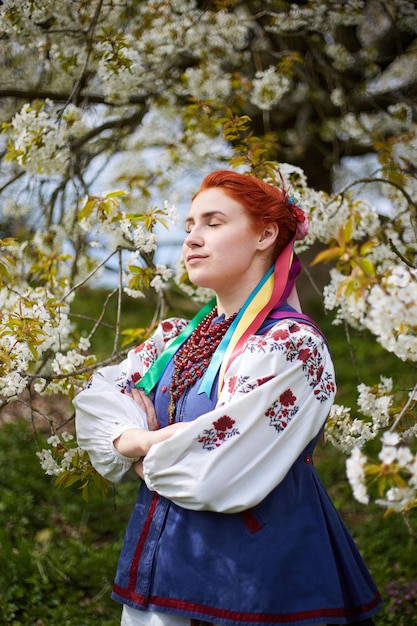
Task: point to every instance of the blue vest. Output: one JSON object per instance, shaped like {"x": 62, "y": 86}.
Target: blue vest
{"x": 289, "y": 560}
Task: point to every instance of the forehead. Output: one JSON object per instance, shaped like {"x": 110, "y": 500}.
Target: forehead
{"x": 215, "y": 200}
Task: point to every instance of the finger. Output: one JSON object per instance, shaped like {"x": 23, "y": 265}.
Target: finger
{"x": 150, "y": 411}
{"x": 137, "y": 396}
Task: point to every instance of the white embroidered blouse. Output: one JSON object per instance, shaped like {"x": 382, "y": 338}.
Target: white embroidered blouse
{"x": 276, "y": 397}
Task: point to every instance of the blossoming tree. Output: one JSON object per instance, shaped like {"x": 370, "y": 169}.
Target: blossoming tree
{"x": 144, "y": 92}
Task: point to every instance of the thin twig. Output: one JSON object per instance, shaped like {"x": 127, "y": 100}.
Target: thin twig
{"x": 351, "y": 352}
{"x": 399, "y": 255}
{"x": 411, "y": 398}
{"x": 119, "y": 303}
{"x": 102, "y": 314}
{"x": 90, "y": 275}
{"x": 12, "y": 180}
{"x": 90, "y": 34}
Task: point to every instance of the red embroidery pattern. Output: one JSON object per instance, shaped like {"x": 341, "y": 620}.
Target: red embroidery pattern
{"x": 292, "y": 341}
{"x": 222, "y": 430}
{"x": 246, "y": 384}
{"x": 169, "y": 329}
{"x": 282, "y": 410}
{"x": 147, "y": 352}
{"x": 231, "y": 384}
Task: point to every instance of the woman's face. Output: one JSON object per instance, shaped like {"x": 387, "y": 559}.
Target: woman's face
{"x": 222, "y": 250}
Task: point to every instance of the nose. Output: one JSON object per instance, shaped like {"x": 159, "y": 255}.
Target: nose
{"x": 193, "y": 238}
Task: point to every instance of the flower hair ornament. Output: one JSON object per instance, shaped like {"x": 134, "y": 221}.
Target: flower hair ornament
{"x": 300, "y": 217}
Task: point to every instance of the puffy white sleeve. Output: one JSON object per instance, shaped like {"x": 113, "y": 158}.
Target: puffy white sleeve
{"x": 276, "y": 397}
{"x": 104, "y": 409}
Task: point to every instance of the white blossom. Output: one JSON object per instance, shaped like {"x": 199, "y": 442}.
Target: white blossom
{"x": 208, "y": 82}
{"x": 40, "y": 385}
{"x": 49, "y": 465}
{"x": 356, "y": 475}
{"x": 144, "y": 241}
{"x": 42, "y": 137}
{"x": 404, "y": 456}
{"x": 161, "y": 278}
{"x": 392, "y": 312}
{"x": 53, "y": 441}
{"x": 12, "y": 384}
{"x": 68, "y": 362}
{"x": 12, "y": 208}
{"x": 387, "y": 455}
{"x": 337, "y": 97}
{"x": 413, "y": 472}
{"x": 134, "y": 293}
{"x": 84, "y": 344}
{"x": 171, "y": 212}
{"x": 398, "y": 499}
{"x": 269, "y": 87}
{"x": 390, "y": 438}
{"x": 67, "y": 458}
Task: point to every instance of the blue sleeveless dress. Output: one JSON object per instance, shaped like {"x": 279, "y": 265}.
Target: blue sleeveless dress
{"x": 289, "y": 560}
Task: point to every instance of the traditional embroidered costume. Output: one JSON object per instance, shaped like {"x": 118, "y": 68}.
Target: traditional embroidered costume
{"x": 232, "y": 525}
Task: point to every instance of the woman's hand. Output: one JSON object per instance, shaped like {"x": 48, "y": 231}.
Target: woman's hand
{"x": 136, "y": 442}
{"x": 155, "y": 437}
{"x": 146, "y": 404}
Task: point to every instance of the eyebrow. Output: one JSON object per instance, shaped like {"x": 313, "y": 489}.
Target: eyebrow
{"x": 206, "y": 215}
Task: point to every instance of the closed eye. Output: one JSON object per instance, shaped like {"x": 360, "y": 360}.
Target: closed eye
{"x": 208, "y": 218}
{"x": 213, "y": 225}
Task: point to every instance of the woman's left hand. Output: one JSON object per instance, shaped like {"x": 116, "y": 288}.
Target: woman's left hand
{"x": 146, "y": 404}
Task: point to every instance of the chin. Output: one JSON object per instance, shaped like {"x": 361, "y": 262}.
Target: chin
{"x": 203, "y": 284}
{"x": 198, "y": 280}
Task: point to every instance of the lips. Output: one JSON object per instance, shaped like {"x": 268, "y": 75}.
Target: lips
{"x": 194, "y": 258}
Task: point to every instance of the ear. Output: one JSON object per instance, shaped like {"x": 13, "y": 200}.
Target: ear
{"x": 268, "y": 236}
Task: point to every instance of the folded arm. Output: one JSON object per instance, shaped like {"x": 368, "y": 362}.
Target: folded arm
{"x": 111, "y": 425}
{"x": 275, "y": 400}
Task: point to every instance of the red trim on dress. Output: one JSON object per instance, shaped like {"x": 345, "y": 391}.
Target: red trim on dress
{"x": 252, "y": 524}
{"x": 238, "y": 617}
{"x": 133, "y": 577}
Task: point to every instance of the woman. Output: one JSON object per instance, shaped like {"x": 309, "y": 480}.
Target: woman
{"x": 232, "y": 525}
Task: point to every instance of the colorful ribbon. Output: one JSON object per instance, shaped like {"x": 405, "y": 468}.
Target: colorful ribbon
{"x": 151, "y": 377}
{"x": 271, "y": 292}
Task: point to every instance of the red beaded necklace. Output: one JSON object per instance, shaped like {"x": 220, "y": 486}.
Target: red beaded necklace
{"x": 194, "y": 356}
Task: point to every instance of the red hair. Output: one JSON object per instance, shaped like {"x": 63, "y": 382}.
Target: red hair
{"x": 263, "y": 202}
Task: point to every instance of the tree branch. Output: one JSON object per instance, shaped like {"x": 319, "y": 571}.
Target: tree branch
{"x": 59, "y": 96}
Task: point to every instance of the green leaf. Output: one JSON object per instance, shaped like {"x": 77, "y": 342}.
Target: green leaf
{"x": 366, "y": 266}
{"x": 328, "y": 255}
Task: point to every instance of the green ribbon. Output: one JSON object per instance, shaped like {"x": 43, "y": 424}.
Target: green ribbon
{"x": 154, "y": 373}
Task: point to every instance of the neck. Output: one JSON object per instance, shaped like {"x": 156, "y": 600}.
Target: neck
{"x": 231, "y": 302}
{"x": 231, "y": 298}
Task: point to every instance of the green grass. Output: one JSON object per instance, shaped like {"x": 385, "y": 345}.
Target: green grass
{"x": 58, "y": 554}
